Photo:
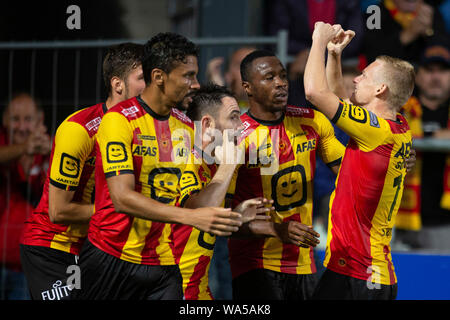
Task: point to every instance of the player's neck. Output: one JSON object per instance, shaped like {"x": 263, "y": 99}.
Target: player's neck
{"x": 258, "y": 112}
{"x": 382, "y": 110}
{"x": 154, "y": 98}
{"x": 112, "y": 101}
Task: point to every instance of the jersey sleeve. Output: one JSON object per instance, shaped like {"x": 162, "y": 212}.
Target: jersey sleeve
{"x": 115, "y": 138}
{"x": 331, "y": 149}
{"x": 361, "y": 125}
{"x": 190, "y": 181}
{"x": 71, "y": 148}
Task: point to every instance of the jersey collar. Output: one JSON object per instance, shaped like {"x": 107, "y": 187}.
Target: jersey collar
{"x": 150, "y": 111}
{"x": 267, "y": 122}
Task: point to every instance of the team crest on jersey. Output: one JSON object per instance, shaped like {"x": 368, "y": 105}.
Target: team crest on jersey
{"x": 69, "y": 166}
{"x": 93, "y": 124}
{"x": 130, "y": 111}
{"x": 374, "y": 120}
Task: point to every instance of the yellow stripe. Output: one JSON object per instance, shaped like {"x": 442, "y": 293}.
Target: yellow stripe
{"x": 132, "y": 249}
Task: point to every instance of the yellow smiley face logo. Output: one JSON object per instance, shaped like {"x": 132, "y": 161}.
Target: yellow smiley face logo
{"x": 164, "y": 182}
{"x": 115, "y": 152}
{"x": 188, "y": 179}
{"x": 69, "y": 166}
{"x": 289, "y": 188}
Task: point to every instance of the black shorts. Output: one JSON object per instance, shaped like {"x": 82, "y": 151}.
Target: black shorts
{"x": 263, "y": 284}
{"x": 104, "y": 276}
{"x": 336, "y": 286}
{"x": 47, "y": 271}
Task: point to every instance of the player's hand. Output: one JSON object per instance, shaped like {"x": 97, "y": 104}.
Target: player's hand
{"x": 217, "y": 221}
{"x": 228, "y": 152}
{"x": 338, "y": 43}
{"x": 410, "y": 161}
{"x": 214, "y": 72}
{"x": 254, "y": 209}
{"x": 297, "y": 233}
{"x": 325, "y": 32}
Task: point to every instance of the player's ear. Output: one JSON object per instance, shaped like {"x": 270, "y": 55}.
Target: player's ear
{"x": 382, "y": 90}
{"x": 207, "y": 122}
{"x": 208, "y": 126}
{"x": 117, "y": 85}
{"x": 158, "y": 76}
{"x": 247, "y": 88}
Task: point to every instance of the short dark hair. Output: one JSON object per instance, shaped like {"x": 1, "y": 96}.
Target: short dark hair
{"x": 164, "y": 51}
{"x": 206, "y": 100}
{"x": 248, "y": 60}
{"x": 119, "y": 61}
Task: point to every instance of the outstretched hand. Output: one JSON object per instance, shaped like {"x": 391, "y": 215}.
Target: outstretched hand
{"x": 254, "y": 209}
{"x": 297, "y": 233}
{"x": 217, "y": 221}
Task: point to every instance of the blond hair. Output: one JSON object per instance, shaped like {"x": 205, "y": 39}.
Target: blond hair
{"x": 399, "y": 77}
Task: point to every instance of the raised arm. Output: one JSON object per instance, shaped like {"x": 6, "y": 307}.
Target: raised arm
{"x": 334, "y": 67}
{"x": 317, "y": 90}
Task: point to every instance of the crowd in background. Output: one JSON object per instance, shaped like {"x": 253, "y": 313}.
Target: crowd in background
{"x": 417, "y": 31}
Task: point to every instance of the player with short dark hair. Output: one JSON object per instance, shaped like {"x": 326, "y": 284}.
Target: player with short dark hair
{"x": 369, "y": 186}
{"x": 281, "y": 144}
{"x": 216, "y": 115}
{"x": 55, "y": 231}
{"x": 143, "y": 147}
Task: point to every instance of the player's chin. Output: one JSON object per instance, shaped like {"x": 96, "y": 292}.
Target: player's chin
{"x": 278, "y": 105}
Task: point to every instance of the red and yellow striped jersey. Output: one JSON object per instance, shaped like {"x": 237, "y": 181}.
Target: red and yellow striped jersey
{"x": 72, "y": 164}
{"x": 133, "y": 139}
{"x": 280, "y": 165}
{"x": 368, "y": 191}
{"x": 194, "y": 248}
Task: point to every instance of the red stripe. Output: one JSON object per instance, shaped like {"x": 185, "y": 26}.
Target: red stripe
{"x": 180, "y": 234}
{"x": 290, "y": 254}
{"x": 85, "y": 176}
{"x": 164, "y": 138}
{"x": 284, "y": 151}
{"x": 398, "y": 128}
{"x": 390, "y": 268}
{"x": 193, "y": 288}
{"x": 137, "y": 161}
{"x": 152, "y": 241}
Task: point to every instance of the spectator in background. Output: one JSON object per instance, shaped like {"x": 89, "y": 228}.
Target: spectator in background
{"x": 24, "y": 149}
{"x": 425, "y": 205}
{"x": 407, "y": 26}
{"x": 232, "y": 77}
{"x": 299, "y": 17}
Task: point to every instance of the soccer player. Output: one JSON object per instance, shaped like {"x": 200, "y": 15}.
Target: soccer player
{"x": 369, "y": 186}
{"x": 54, "y": 233}
{"x": 204, "y": 183}
{"x": 281, "y": 144}
{"x": 143, "y": 147}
